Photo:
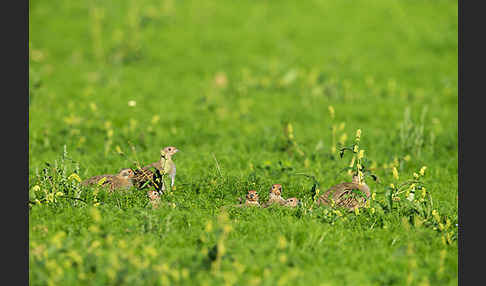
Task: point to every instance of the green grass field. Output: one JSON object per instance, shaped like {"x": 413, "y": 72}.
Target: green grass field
{"x": 113, "y": 82}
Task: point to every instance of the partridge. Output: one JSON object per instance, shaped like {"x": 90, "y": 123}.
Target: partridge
{"x": 165, "y": 166}
{"x": 154, "y": 197}
{"x": 275, "y": 196}
{"x": 251, "y": 199}
{"x": 347, "y": 195}
{"x": 122, "y": 180}
{"x": 291, "y": 202}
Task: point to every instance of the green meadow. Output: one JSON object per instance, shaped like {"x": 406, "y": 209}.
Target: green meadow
{"x": 252, "y": 93}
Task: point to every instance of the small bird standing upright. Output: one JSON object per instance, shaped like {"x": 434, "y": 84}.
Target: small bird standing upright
{"x": 275, "y": 196}
{"x": 122, "y": 180}
{"x": 343, "y": 195}
{"x": 291, "y": 202}
{"x": 165, "y": 166}
{"x": 154, "y": 197}
{"x": 251, "y": 199}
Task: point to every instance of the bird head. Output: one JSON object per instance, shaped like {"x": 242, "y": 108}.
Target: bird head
{"x": 126, "y": 173}
{"x": 153, "y": 194}
{"x": 276, "y": 190}
{"x": 292, "y": 202}
{"x": 252, "y": 196}
{"x": 168, "y": 151}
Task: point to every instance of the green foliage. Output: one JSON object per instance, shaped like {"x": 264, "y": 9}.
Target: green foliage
{"x": 252, "y": 93}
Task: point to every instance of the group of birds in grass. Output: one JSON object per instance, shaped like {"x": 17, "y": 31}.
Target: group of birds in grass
{"x": 340, "y": 195}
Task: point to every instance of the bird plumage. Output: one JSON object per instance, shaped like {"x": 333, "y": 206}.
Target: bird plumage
{"x": 275, "y": 196}
{"x": 165, "y": 166}
{"x": 122, "y": 180}
{"x": 251, "y": 200}
{"x": 348, "y": 195}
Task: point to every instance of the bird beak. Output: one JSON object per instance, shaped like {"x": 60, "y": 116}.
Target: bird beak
{"x": 176, "y": 150}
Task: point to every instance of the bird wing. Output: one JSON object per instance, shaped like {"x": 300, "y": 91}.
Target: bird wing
{"x": 96, "y": 179}
{"x": 141, "y": 176}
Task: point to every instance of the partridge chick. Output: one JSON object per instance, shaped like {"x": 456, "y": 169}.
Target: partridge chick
{"x": 275, "y": 196}
{"x": 154, "y": 197}
{"x": 122, "y": 180}
{"x": 251, "y": 200}
{"x": 344, "y": 196}
{"x": 291, "y": 202}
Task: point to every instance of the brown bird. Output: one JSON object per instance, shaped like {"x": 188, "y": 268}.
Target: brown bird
{"x": 165, "y": 166}
{"x": 154, "y": 197}
{"x": 275, "y": 196}
{"x": 291, "y": 202}
{"x": 346, "y": 195}
{"x": 122, "y": 180}
{"x": 251, "y": 200}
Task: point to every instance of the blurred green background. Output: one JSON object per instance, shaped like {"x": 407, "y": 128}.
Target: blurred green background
{"x": 116, "y": 81}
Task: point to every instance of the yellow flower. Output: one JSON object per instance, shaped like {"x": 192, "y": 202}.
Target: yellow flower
{"x": 352, "y": 162}
{"x": 155, "y": 119}
{"x": 36, "y": 188}
{"x": 341, "y": 126}
{"x": 358, "y": 134}
{"x": 101, "y": 181}
{"x": 96, "y": 215}
{"x": 395, "y": 173}
{"x": 407, "y": 158}
{"x": 74, "y": 176}
{"x": 372, "y": 210}
{"x": 355, "y": 148}
{"x": 422, "y": 170}
{"x": 282, "y": 242}
{"x": 436, "y": 215}
{"x": 331, "y": 111}
{"x": 59, "y": 194}
{"x": 209, "y": 226}
{"x": 360, "y": 154}
{"x": 343, "y": 138}
{"x": 415, "y": 175}
{"x": 338, "y": 212}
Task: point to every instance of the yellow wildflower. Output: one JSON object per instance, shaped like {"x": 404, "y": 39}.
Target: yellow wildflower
{"x": 360, "y": 154}
{"x": 101, "y": 181}
{"x": 422, "y": 170}
{"x": 282, "y": 242}
{"x": 351, "y": 164}
{"x": 331, "y": 111}
{"x": 74, "y": 176}
{"x": 395, "y": 173}
{"x": 155, "y": 119}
